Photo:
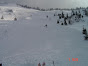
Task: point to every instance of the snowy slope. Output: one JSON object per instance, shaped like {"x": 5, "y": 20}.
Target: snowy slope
{"x": 26, "y": 42}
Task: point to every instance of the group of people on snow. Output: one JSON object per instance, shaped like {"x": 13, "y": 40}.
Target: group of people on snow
{"x": 42, "y": 64}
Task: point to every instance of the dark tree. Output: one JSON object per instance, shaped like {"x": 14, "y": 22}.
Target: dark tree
{"x": 59, "y": 17}
{"x": 86, "y": 37}
{"x": 65, "y": 23}
{"x": 57, "y": 21}
{"x": 86, "y": 13}
{"x": 79, "y": 11}
{"x": 79, "y": 15}
{"x": 65, "y": 18}
{"x": 76, "y": 13}
{"x": 67, "y": 15}
{"x": 84, "y": 31}
{"x": 62, "y": 24}
{"x": 73, "y": 12}
{"x": 69, "y": 22}
{"x": 62, "y": 15}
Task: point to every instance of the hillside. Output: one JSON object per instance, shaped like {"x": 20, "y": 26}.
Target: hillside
{"x": 28, "y": 41}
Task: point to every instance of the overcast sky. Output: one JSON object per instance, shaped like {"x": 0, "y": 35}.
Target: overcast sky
{"x": 52, "y": 3}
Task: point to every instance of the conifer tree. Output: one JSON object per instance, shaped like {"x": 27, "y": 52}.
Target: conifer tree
{"x": 69, "y": 22}
{"x": 62, "y": 15}
{"x": 62, "y": 24}
{"x": 57, "y": 21}
{"x": 67, "y": 15}
{"x": 65, "y": 23}
{"x": 76, "y": 13}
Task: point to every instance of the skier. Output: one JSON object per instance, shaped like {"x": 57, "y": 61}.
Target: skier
{"x": 47, "y": 16}
{"x": 45, "y": 26}
{"x": 43, "y": 64}
{"x": 39, "y": 64}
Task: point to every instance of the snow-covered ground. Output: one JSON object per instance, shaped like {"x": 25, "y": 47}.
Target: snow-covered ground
{"x": 26, "y": 42}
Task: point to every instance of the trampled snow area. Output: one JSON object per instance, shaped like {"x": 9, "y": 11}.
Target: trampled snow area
{"x": 26, "y": 42}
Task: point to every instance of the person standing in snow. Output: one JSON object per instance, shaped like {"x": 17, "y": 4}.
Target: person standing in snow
{"x": 45, "y": 26}
{"x": 43, "y": 64}
{"x": 39, "y": 64}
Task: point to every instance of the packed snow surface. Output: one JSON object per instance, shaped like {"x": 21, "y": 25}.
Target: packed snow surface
{"x": 26, "y": 42}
